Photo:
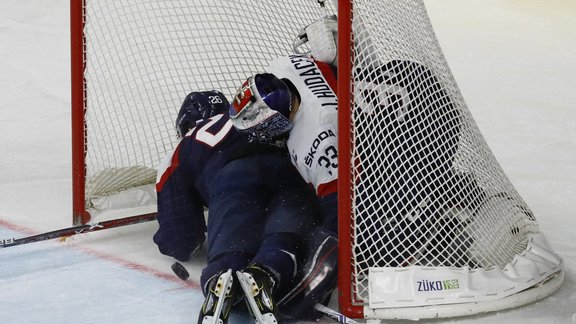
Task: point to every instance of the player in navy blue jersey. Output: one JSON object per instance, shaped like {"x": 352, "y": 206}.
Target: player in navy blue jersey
{"x": 259, "y": 209}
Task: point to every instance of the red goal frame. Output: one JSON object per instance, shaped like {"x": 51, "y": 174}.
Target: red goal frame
{"x": 78, "y": 99}
{"x": 345, "y": 262}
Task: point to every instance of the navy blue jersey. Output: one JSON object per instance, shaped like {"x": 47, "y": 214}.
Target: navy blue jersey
{"x": 243, "y": 184}
{"x": 203, "y": 151}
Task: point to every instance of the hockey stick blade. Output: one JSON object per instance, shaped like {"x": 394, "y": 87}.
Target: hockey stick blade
{"x": 338, "y": 317}
{"x": 80, "y": 229}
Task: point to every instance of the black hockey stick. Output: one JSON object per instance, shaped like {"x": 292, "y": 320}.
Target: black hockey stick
{"x": 80, "y": 229}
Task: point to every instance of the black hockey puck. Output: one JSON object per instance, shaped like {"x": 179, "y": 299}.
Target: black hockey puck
{"x": 180, "y": 271}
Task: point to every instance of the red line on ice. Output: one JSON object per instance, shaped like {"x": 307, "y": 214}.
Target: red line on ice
{"x": 125, "y": 263}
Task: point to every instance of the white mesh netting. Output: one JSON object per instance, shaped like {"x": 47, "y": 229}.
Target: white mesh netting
{"x": 144, "y": 56}
{"x": 427, "y": 191}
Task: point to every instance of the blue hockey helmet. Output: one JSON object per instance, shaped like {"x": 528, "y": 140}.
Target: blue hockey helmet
{"x": 261, "y": 108}
{"x": 199, "y": 106}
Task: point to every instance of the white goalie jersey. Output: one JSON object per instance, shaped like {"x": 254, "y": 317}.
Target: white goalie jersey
{"x": 313, "y": 142}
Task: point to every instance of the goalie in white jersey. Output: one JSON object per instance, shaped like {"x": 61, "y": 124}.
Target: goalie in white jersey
{"x": 313, "y": 141}
{"x": 305, "y": 107}
{"x": 294, "y": 104}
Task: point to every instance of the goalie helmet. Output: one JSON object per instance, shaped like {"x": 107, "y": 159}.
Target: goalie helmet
{"x": 199, "y": 106}
{"x": 261, "y": 108}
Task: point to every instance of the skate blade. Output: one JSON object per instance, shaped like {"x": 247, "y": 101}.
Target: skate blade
{"x": 226, "y": 282}
{"x": 246, "y": 284}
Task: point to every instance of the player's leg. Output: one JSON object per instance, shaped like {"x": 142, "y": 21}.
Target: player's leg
{"x": 235, "y": 225}
{"x": 293, "y": 210}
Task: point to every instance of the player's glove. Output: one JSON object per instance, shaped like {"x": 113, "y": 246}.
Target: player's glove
{"x": 322, "y": 39}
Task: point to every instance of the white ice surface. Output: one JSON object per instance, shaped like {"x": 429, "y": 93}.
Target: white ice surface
{"x": 515, "y": 63}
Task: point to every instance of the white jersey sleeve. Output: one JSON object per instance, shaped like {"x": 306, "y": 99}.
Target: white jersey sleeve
{"x": 313, "y": 141}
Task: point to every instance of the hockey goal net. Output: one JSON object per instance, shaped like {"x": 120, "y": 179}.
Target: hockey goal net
{"x": 430, "y": 225}
{"x": 436, "y": 228}
{"x": 133, "y": 63}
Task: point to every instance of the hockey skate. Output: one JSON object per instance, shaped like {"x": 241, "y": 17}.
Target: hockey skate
{"x": 221, "y": 293}
{"x": 258, "y": 285}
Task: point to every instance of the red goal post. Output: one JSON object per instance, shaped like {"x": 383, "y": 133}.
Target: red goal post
{"x": 79, "y": 215}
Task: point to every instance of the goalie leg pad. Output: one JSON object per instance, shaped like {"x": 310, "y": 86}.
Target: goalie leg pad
{"x": 318, "y": 277}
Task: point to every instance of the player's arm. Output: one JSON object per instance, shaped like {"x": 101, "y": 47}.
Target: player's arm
{"x": 180, "y": 211}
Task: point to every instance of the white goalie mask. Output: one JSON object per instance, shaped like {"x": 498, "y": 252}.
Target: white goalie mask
{"x": 261, "y": 108}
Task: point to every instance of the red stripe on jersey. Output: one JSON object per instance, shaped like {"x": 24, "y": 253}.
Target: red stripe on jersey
{"x": 325, "y": 189}
{"x": 174, "y": 163}
{"x": 328, "y": 73}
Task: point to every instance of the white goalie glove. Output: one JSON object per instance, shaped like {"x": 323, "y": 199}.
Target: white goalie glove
{"x": 322, "y": 39}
